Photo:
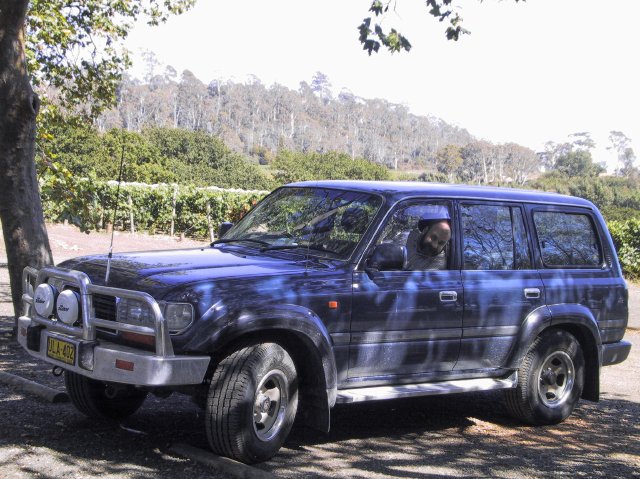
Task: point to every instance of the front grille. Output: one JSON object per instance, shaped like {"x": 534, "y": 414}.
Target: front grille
{"x": 105, "y": 307}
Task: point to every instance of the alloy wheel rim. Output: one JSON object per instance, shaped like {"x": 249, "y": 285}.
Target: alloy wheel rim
{"x": 556, "y": 379}
{"x": 270, "y": 404}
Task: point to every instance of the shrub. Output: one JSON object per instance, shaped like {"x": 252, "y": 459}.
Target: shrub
{"x": 626, "y": 237}
{"x": 292, "y": 166}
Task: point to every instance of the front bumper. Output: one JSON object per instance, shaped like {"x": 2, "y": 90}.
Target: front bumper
{"x": 104, "y": 361}
{"x": 77, "y": 347}
{"x": 614, "y": 353}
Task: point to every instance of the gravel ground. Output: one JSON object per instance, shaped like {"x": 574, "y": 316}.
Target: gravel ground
{"x": 463, "y": 436}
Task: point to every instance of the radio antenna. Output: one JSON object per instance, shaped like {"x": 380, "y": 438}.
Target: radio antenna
{"x": 115, "y": 212}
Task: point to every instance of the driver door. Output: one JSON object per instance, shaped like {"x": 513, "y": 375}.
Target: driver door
{"x": 406, "y": 322}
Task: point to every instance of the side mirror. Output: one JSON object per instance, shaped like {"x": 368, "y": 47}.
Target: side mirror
{"x": 224, "y": 227}
{"x": 387, "y": 257}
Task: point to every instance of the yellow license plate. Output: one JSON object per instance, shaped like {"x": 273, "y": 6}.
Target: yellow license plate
{"x": 61, "y": 350}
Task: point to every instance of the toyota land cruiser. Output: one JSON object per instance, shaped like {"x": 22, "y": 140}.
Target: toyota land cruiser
{"x": 332, "y": 292}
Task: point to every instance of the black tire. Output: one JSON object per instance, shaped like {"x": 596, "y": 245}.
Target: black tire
{"x": 550, "y": 380}
{"x": 101, "y": 400}
{"x": 252, "y": 403}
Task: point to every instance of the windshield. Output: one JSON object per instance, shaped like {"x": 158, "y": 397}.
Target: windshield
{"x": 323, "y": 221}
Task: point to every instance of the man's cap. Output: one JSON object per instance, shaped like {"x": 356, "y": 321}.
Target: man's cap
{"x": 433, "y": 213}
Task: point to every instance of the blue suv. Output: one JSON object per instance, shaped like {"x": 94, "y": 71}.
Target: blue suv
{"x": 338, "y": 291}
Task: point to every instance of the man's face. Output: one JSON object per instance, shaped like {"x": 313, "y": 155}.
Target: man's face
{"x": 436, "y": 238}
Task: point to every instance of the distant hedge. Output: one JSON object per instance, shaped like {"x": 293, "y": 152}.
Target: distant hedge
{"x": 174, "y": 209}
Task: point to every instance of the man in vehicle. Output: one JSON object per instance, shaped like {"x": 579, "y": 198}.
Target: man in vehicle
{"x": 426, "y": 244}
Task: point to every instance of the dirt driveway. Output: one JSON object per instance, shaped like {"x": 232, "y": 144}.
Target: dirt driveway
{"x": 68, "y": 242}
{"x": 462, "y": 436}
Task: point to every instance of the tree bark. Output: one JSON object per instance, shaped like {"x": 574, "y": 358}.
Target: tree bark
{"x": 23, "y": 227}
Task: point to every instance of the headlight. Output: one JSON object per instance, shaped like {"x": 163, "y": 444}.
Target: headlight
{"x": 178, "y": 316}
{"x": 136, "y": 312}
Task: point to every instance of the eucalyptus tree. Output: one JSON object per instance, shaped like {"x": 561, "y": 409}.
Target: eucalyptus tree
{"x": 521, "y": 162}
{"x": 553, "y": 152}
{"x": 193, "y": 100}
{"x": 321, "y": 86}
{"x": 478, "y": 160}
{"x": 578, "y": 163}
{"x": 621, "y": 144}
{"x": 449, "y": 160}
{"x": 74, "y": 49}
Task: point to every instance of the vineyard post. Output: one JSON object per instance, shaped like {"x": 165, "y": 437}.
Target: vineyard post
{"x": 209, "y": 221}
{"x": 133, "y": 227}
{"x": 173, "y": 210}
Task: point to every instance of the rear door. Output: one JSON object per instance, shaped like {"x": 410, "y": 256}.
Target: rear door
{"x": 501, "y": 286}
{"x": 575, "y": 266}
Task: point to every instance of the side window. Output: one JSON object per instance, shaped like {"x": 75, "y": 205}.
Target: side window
{"x": 425, "y": 230}
{"x": 494, "y": 238}
{"x": 567, "y": 239}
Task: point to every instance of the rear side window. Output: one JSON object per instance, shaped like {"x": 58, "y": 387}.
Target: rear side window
{"x": 494, "y": 238}
{"x": 567, "y": 239}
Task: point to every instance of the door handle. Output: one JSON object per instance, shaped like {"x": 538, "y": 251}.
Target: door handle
{"x": 532, "y": 293}
{"x": 448, "y": 296}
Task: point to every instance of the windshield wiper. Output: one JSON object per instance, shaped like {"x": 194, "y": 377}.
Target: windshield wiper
{"x": 320, "y": 247}
{"x": 281, "y": 246}
{"x": 235, "y": 240}
{"x": 271, "y": 247}
{"x": 312, "y": 247}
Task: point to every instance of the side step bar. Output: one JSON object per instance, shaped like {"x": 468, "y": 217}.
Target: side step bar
{"x": 379, "y": 393}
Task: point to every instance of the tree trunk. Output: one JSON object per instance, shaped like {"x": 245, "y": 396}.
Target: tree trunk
{"x": 25, "y": 234}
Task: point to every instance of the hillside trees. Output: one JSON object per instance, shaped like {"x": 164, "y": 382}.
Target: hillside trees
{"x": 481, "y": 162}
{"x": 76, "y": 48}
{"x": 250, "y": 117}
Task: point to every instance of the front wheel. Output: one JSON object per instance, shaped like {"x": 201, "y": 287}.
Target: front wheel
{"x": 97, "y": 399}
{"x": 252, "y": 403}
{"x": 550, "y": 380}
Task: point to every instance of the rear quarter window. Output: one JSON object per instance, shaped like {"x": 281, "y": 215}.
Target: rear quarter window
{"x": 567, "y": 239}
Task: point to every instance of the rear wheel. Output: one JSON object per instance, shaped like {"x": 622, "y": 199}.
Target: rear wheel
{"x": 550, "y": 380}
{"x": 252, "y": 403}
{"x": 97, "y": 399}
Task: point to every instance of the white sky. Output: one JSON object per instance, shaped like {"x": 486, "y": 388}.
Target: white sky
{"x": 528, "y": 73}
